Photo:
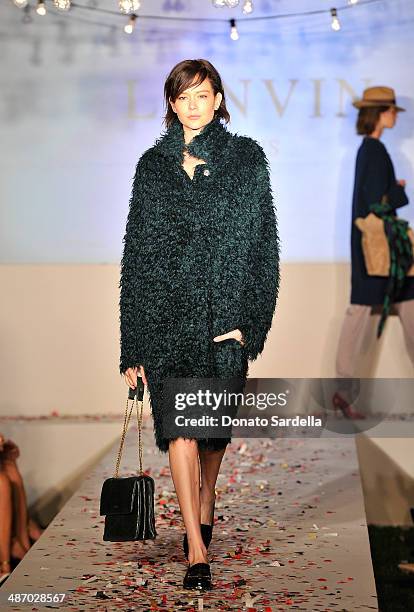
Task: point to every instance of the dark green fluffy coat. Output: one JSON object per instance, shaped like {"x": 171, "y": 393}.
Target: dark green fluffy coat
{"x": 201, "y": 258}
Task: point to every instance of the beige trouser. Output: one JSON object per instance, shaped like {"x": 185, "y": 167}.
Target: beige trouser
{"x": 355, "y": 330}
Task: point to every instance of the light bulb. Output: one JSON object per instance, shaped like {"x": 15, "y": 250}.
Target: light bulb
{"x": 219, "y": 3}
{"x": 20, "y": 3}
{"x": 248, "y": 7}
{"x": 130, "y": 26}
{"x": 335, "y": 25}
{"x": 63, "y": 5}
{"x": 129, "y": 6}
{"x": 234, "y": 35}
{"x": 41, "y": 8}
{"x": 232, "y": 3}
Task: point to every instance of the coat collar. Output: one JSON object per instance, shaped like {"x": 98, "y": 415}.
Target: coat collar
{"x": 207, "y": 145}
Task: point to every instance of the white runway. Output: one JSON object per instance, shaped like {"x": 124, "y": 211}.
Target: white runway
{"x": 290, "y": 534}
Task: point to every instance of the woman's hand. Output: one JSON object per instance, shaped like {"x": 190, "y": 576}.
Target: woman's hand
{"x": 131, "y": 375}
{"x": 235, "y": 333}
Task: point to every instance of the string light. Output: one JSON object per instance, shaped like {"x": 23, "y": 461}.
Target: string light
{"x": 126, "y": 6}
{"x": 129, "y": 6}
{"x": 62, "y": 5}
{"x": 130, "y": 26}
{"x": 234, "y": 35}
{"x": 41, "y": 8}
{"x": 335, "y": 25}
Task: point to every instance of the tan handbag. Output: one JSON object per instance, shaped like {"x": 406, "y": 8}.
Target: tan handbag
{"x": 375, "y": 245}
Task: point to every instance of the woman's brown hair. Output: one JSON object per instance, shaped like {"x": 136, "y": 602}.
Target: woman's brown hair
{"x": 183, "y": 75}
{"x": 368, "y": 118}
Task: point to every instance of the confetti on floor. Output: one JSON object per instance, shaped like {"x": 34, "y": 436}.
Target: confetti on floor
{"x": 290, "y": 534}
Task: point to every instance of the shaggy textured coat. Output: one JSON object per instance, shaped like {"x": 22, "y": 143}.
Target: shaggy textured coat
{"x": 201, "y": 258}
{"x": 374, "y": 177}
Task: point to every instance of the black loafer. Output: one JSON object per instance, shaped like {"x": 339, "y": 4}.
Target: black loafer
{"x": 198, "y": 576}
{"x": 206, "y": 534}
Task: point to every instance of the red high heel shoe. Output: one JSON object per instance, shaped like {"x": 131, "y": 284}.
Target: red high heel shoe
{"x": 346, "y": 409}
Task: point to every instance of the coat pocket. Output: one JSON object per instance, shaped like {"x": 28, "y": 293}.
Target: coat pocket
{"x": 230, "y": 342}
{"x": 230, "y": 357}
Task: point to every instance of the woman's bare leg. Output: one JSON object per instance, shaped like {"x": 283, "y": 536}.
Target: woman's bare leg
{"x": 6, "y": 514}
{"x": 35, "y": 531}
{"x": 210, "y": 461}
{"x": 22, "y": 541}
{"x": 185, "y": 472}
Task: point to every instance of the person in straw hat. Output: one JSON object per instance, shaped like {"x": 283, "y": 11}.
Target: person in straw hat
{"x": 374, "y": 179}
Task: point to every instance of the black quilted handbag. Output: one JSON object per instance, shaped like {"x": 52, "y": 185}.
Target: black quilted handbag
{"x": 128, "y": 503}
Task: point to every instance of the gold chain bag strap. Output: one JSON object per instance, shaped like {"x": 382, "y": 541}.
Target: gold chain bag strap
{"x": 128, "y": 503}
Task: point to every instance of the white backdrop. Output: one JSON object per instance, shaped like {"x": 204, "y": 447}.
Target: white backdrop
{"x": 81, "y": 100}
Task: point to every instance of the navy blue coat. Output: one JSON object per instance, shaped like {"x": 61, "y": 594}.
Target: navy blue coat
{"x": 201, "y": 258}
{"x": 374, "y": 178}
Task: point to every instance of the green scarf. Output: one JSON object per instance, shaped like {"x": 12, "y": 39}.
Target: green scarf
{"x": 401, "y": 256}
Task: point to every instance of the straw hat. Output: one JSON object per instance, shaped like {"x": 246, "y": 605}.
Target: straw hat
{"x": 377, "y": 96}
